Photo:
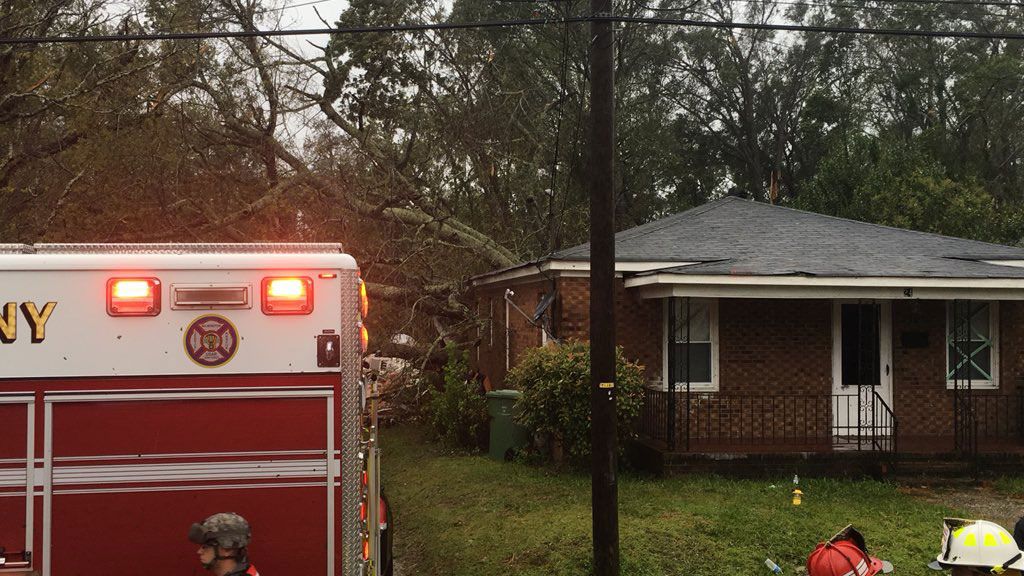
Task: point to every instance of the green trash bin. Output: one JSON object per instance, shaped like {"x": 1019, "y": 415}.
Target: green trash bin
{"x": 506, "y": 435}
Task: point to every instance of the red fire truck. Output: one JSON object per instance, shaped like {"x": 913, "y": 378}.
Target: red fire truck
{"x": 145, "y": 387}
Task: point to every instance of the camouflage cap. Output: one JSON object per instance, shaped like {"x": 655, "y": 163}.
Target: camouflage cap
{"x": 226, "y": 529}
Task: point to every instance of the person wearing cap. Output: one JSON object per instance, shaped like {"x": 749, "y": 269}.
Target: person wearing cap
{"x": 971, "y": 547}
{"x": 223, "y": 540}
{"x": 845, "y": 554}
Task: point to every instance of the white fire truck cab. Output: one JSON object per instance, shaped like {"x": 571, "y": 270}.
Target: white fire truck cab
{"x": 146, "y": 387}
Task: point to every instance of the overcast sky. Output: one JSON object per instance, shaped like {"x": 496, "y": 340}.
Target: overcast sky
{"x": 302, "y": 14}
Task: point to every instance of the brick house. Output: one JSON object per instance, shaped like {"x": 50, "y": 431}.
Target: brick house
{"x": 768, "y": 329}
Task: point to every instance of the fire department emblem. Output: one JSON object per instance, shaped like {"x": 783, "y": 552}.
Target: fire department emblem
{"x": 211, "y": 340}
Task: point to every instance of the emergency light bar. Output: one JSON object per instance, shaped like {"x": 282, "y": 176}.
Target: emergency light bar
{"x": 364, "y": 299}
{"x": 289, "y": 295}
{"x": 133, "y": 296}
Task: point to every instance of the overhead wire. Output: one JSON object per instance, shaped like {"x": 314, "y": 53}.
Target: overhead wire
{"x": 442, "y": 26}
{"x": 905, "y": 8}
{"x": 915, "y": 8}
{"x": 562, "y": 93}
{"x": 811, "y": 28}
{"x": 290, "y": 6}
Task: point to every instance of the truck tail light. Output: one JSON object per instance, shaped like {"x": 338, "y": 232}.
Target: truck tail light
{"x": 133, "y": 296}
{"x": 292, "y": 295}
{"x": 364, "y": 300}
{"x": 364, "y": 337}
{"x": 366, "y": 548}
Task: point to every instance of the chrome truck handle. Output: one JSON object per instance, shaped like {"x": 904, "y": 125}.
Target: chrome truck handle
{"x": 7, "y": 562}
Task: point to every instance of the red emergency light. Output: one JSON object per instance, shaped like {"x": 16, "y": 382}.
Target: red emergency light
{"x": 364, "y": 337}
{"x": 287, "y": 295}
{"x": 364, "y": 299}
{"x": 133, "y": 296}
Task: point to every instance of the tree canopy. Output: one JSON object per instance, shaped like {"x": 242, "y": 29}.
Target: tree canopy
{"x": 434, "y": 156}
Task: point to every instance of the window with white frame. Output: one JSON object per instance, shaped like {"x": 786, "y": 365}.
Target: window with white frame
{"x": 691, "y": 354}
{"x": 490, "y": 323}
{"x": 972, "y": 349}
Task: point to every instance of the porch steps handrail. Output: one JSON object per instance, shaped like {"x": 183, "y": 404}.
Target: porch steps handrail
{"x": 881, "y": 411}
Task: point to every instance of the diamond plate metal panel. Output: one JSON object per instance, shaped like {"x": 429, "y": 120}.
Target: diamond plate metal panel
{"x": 351, "y": 424}
{"x": 15, "y": 249}
{"x": 175, "y": 248}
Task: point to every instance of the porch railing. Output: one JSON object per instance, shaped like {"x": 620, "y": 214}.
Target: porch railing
{"x": 811, "y": 422}
{"x": 997, "y": 416}
{"x": 863, "y": 422}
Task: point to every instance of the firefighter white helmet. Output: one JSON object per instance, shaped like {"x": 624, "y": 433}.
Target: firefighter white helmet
{"x": 977, "y": 544}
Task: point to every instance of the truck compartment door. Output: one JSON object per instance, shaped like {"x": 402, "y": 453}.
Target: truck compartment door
{"x": 132, "y": 470}
{"x": 16, "y": 480}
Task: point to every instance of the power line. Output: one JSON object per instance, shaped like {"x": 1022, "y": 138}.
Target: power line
{"x": 812, "y": 28}
{"x": 916, "y": 7}
{"x": 955, "y": 2}
{"x": 290, "y": 6}
{"x": 80, "y": 39}
{"x": 682, "y": 22}
{"x": 896, "y": 4}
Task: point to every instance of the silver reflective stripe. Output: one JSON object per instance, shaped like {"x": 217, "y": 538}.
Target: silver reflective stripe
{"x": 175, "y": 248}
{"x": 188, "y": 472}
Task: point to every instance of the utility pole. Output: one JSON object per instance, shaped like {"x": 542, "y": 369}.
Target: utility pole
{"x": 604, "y": 500}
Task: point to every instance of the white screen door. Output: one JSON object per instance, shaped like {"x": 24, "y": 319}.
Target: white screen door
{"x": 861, "y": 364}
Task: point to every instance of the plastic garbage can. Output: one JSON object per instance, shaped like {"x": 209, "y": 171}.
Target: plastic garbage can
{"x": 506, "y": 435}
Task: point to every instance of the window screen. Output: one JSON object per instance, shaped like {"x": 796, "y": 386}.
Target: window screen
{"x": 968, "y": 341}
{"x": 691, "y": 340}
{"x": 860, "y": 344}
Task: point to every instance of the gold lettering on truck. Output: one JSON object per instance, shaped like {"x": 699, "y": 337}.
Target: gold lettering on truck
{"x": 37, "y": 320}
{"x": 8, "y": 323}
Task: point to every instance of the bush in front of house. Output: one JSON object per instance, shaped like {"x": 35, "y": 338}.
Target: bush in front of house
{"x": 458, "y": 411}
{"x": 555, "y": 381}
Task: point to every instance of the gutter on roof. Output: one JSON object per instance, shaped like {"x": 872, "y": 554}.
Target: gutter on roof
{"x": 663, "y": 285}
{"x": 569, "y": 268}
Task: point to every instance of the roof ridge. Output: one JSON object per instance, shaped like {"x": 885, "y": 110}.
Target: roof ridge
{"x": 672, "y": 218}
{"x": 662, "y": 223}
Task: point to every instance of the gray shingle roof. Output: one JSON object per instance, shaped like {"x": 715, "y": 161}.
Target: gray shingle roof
{"x": 732, "y": 236}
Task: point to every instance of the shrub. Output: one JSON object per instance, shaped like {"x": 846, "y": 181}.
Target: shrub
{"x": 555, "y": 381}
{"x": 458, "y": 412}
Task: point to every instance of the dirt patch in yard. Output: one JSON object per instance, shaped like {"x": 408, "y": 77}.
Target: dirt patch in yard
{"x": 985, "y": 501}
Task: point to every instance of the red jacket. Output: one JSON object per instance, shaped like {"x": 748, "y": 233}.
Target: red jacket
{"x": 245, "y": 570}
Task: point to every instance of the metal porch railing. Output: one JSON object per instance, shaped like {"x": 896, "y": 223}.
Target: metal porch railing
{"x": 812, "y": 422}
{"x": 864, "y": 422}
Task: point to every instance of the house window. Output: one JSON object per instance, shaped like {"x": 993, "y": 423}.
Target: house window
{"x": 692, "y": 336}
{"x": 542, "y": 321}
{"x": 972, "y": 350}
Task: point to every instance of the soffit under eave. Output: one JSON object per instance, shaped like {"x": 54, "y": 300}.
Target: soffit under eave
{"x": 766, "y": 291}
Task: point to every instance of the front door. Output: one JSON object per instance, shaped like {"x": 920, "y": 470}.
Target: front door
{"x": 861, "y": 366}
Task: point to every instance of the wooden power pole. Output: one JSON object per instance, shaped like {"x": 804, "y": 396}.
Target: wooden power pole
{"x": 604, "y": 486}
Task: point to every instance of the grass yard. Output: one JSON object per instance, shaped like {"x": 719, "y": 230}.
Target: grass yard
{"x": 458, "y": 514}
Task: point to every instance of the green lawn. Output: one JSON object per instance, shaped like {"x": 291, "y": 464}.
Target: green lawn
{"x": 459, "y": 514}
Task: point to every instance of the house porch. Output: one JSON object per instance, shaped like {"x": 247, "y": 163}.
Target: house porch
{"x": 777, "y": 362}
